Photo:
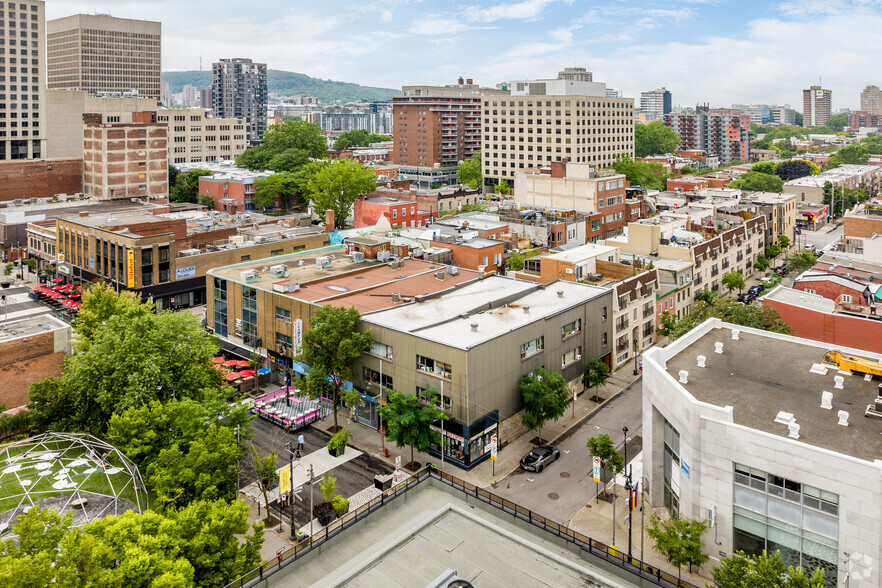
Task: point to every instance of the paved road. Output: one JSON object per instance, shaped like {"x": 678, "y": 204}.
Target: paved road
{"x": 568, "y": 478}
{"x": 820, "y": 239}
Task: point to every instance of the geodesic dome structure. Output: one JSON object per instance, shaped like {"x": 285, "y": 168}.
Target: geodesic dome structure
{"x": 70, "y": 472}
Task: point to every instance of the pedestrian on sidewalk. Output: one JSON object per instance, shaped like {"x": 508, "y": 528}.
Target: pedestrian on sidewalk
{"x": 300, "y": 443}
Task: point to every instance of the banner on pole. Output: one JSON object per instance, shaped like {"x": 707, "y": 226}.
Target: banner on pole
{"x": 285, "y": 480}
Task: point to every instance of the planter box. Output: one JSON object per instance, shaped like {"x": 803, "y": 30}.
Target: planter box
{"x": 337, "y": 452}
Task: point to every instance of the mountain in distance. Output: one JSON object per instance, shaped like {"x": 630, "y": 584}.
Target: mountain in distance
{"x": 288, "y": 83}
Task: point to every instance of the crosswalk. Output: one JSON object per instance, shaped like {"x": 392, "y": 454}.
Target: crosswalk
{"x": 19, "y": 305}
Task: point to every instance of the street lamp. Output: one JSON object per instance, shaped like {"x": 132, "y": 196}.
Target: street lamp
{"x": 290, "y": 447}
{"x": 629, "y": 489}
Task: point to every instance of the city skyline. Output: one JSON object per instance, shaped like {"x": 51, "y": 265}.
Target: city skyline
{"x": 719, "y": 52}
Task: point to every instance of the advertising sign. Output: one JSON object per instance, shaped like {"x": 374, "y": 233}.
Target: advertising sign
{"x": 297, "y": 337}
{"x": 398, "y": 462}
{"x": 183, "y": 273}
{"x": 493, "y": 447}
{"x": 285, "y": 480}
{"x": 131, "y": 276}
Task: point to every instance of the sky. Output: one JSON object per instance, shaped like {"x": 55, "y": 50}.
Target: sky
{"x": 720, "y": 52}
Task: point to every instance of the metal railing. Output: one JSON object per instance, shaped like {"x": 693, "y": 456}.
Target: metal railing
{"x": 586, "y": 544}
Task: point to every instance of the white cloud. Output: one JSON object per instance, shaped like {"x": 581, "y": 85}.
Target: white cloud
{"x": 527, "y": 9}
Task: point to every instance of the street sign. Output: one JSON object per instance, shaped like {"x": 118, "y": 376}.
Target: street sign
{"x": 596, "y": 469}
{"x": 398, "y": 462}
{"x": 494, "y": 447}
{"x": 297, "y": 493}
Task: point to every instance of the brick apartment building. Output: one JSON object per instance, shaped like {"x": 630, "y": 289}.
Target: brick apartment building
{"x": 232, "y": 189}
{"x": 367, "y": 210}
{"x": 40, "y": 179}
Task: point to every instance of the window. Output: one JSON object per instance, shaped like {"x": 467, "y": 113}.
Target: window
{"x": 430, "y": 366}
{"x": 163, "y": 264}
{"x": 431, "y": 396}
{"x": 570, "y": 357}
{"x": 381, "y": 349}
{"x": 846, "y": 298}
{"x": 146, "y": 267}
{"x": 283, "y": 339}
{"x": 570, "y": 329}
{"x": 220, "y": 306}
{"x": 533, "y": 347}
{"x": 672, "y": 469}
{"x": 603, "y": 313}
{"x": 810, "y": 291}
{"x": 283, "y": 314}
{"x": 249, "y": 315}
{"x": 373, "y": 377}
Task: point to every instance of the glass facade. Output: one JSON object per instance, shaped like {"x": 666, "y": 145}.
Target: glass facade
{"x": 776, "y": 514}
{"x": 672, "y": 470}
{"x": 249, "y": 316}
{"x": 220, "y": 307}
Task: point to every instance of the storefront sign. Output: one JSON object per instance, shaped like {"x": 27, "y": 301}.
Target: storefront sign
{"x": 182, "y": 273}
{"x": 398, "y": 462}
{"x": 131, "y": 276}
{"x": 297, "y": 337}
{"x": 63, "y": 269}
{"x": 449, "y": 434}
{"x": 484, "y": 432}
{"x": 60, "y": 257}
{"x": 685, "y": 468}
{"x": 596, "y": 469}
{"x": 238, "y": 327}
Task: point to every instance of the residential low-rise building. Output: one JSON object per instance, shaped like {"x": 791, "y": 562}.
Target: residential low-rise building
{"x": 634, "y": 316}
{"x": 577, "y": 264}
{"x": 780, "y": 210}
{"x": 400, "y": 212}
{"x": 811, "y": 188}
{"x": 231, "y": 188}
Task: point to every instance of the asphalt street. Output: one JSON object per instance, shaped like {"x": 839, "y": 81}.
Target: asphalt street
{"x": 819, "y": 239}
{"x": 565, "y": 486}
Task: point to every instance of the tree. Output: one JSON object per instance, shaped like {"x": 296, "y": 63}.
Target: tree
{"x": 256, "y": 158}
{"x": 503, "y": 188}
{"x": 773, "y": 251}
{"x": 783, "y": 241}
{"x": 265, "y": 467}
{"x": 279, "y": 186}
{"x": 330, "y": 347}
{"x": 850, "y": 154}
{"x": 358, "y": 138}
{"x": 172, "y": 174}
{"x": 470, "y": 171}
{"x": 679, "y": 541}
{"x": 733, "y": 281}
{"x": 761, "y": 263}
{"x": 668, "y": 322}
{"x": 545, "y": 395}
{"x": 409, "y": 422}
{"x": 186, "y": 186}
{"x": 757, "y": 182}
{"x": 801, "y": 261}
{"x": 610, "y": 459}
{"x": 130, "y": 360}
{"x": 654, "y": 139}
{"x": 206, "y": 200}
{"x": 289, "y": 160}
{"x": 638, "y": 173}
{"x": 838, "y": 122}
{"x": 796, "y": 168}
{"x": 296, "y": 135}
{"x": 204, "y": 544}
{"x": 764, "y": 167}
{"x": 336, "y": 185}
{"x": 752, "y": 571}
{"x": 515, "y": 262}
{"x": 758, "y": 316}
{"x": 595, "y": 374}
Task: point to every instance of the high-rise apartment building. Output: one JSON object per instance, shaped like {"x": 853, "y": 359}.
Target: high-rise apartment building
{"x": 438, "y": 124}
{"x": 239, "y": 90}
{"x": 550, "y": 120}
{"x": 101, "y": 53}
{"x": 817, "y": 106}
{"x": 871, "y": 100}
{"x": 22, "y": 124}
{"x": 655, "y": 104}
{"x": 722, "y": 133}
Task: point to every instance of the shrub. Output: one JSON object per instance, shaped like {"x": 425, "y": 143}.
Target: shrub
{"x": 341, "y": 505}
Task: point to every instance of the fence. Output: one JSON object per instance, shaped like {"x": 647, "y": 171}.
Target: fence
{"x": 587, "y": 544}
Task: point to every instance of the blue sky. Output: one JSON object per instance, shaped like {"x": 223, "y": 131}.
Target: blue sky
{"x": 715, "y": 51}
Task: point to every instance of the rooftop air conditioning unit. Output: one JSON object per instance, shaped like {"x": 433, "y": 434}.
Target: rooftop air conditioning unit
{"x": 452, "y": 270}
{"x": 384, "y": 256}
{"x": 286, "y": 287}
{"x": 250, "y": 275}
{"x": 260, "y": 239}
{"x": 357, "y": 256}
{"x": 482, "y": 269}
{"x": 278, "y": 271}
{"x": 323, "y": 261}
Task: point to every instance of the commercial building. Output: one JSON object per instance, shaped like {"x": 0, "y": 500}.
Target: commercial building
{"x": 733, "y": 439}
{"x": 473, "y": 345}
{"x": 811, "y": 188}
{"x": 817, "y": 106}
{"x": 722, "y": 133}
{"x": 783, "y": 115}
{"x": 863, "y": 119}
{"x": 871, "y": 100}
{"x": 239, "y": 90}
{"x": 760, "y": 114}
{"x": 23, "y": 128}
{"x": 195, "y": 137}
{"x": 101, "y": 53}
{"x": 438, "y": 125}
{"x": 655, "y": 104}
{"x": 545, "y": 121}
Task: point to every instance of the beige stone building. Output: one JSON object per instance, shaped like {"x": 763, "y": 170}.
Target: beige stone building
{"x": 101, "y": 53}
{"x": 195, "y": 137}
{"x": 544, "y": 121}
{"x": 780, "y": 211}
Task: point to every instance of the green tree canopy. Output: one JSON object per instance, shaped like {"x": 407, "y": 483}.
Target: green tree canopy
{"x": 100, "y": 303}
{"x": 638, "y": 173}
{"x": 289, "y": 160}
{"x": 764, "y": 167}
{"x": 762, "y": 262}
{"x": 757, "y": 182}
{"x": 752, "y": 571}
{"x": 470, "y": 171}
{"x": 503, "y": 187}
{"x": 409, "y": 422}
{"x": 849, "y": 155}
{"x": 279, "y": 186}
{"x": 758, "y": 316}
{"x": 595, "y": 374}
{"x": 330, "y": 347}
{"x": 545, "y": 395}
{"x": 785, "y": 132}
{"x": 795, "y": 168}
{"x": 358, "y": 138}
{"x": 610, "y": 459}
{"x": 286, "y": 147}
{"x": 679, "y": 540}
{"x": 335, "y": 185}
{"x": 733, "y": 281}
{"x": 654, "y": 139}
{"x": 801, "y": 261}
{"x": 130, "y": 360}
{"x": 186, "y": 186}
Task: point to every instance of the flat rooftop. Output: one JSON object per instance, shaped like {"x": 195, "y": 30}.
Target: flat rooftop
{"x": 582, "y": 252}
{"x": 748, "y": 377}
{"x": 496, "y": 305}
{"x": 415, "y": 539}
{"x": 30, "y": 326}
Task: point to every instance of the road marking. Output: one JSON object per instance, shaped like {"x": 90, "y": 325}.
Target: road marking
{"x": 565, "y": 451}
{"x": 529, "y": 479}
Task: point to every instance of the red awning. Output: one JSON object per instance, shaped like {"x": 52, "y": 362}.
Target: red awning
{"x": 231, "y": 363}
{"x": 217, "y": 360}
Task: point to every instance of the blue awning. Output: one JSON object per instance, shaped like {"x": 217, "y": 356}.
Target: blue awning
{"x": 299, "y": 367}
{"x": 263, "y": 371}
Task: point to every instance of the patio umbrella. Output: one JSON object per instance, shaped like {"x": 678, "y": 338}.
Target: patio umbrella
{"x": 57, "y": 280}
{"x": 263, "y": 371}
{"x": 230, "y": 363}
{"x": 246, "y": 373}
{"x": 242, "y": 363}
{"x": 232, "y": 376}
{"x": 217, "y": 360}
{"x": 56, "y": 295}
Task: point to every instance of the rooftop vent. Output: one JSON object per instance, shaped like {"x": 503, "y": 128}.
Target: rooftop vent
{"x": 526, "y": 310}
{"x": 735, "y": 333}
{"x": 843, "y": 418}
{"x": 838, "y": 381}
{"x": 684, "y": 377}
{"x": 701, "y": 360}
{"x": 784, "y": 418}
{"x": 474, "y": 327}
{"x": 827, "y": 400}
{"x": 793, "y": 429}
{"x": 560, "y": 293}
{"x": 396, "y": 297}
{"x": 718, "y": 347}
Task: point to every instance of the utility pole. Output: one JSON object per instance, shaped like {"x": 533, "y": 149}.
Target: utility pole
{"x": 442, "y": 425}
{"x": 290, "y": 447}
{"x": 310, "y": 501}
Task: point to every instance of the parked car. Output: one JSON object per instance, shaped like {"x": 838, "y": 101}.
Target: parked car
{"x": 782, "y": 270}
{"x": 756, "y": 290}
{"x": 746, "y": 298}
{"x": 539, "y": 457}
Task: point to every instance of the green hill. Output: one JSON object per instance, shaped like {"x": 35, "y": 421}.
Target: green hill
{"x": 288, "y": 83}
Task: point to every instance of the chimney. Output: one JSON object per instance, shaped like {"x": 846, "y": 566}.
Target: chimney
{"x": 559, "y": 169}
{"x": 465, "y": 224}
{"x": 459, "y": 81}
{"x": 469, "y": 81}
{"x": 474, "y": 327}
{"x": 329, "y": 221}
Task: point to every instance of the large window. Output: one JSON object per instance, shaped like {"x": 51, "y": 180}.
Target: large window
{"x": 283, "y": 339}
{"x": 532, "y": 347}
{"x": 373, "y": 377}
{"x": 283, "y": 314}
{"x": 437, "y": 368}
{"x": 381, "y": 349}
{"x": 147, "y": 267}
{"x": 570, "y": 329}
{"x": 570, "y": 357}
{"x": 672, "y": 469}
{"x": 432, "y": 396}
{"x": 220, "y": 307}
{"x": 163, "y": 264}
{"x": 773, "y": 513}
{"x": 249, "y": 316}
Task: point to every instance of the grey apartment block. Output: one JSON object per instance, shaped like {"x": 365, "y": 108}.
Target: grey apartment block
{"x": 239, "y": 90}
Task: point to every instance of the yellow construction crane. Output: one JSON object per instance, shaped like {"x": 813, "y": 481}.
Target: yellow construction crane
{"x": 853, "y": 364}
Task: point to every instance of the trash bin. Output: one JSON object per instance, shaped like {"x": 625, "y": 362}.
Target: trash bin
{"x": 382, "y": 483}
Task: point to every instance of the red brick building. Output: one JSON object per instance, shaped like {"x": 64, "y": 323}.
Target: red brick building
{"x": 840, "y": 289}
{"x": 476, "y": 253}
{"x": 687, "y": 183}
{"x": 40, "y": 178}
{"x": 232, "y": 192}
{"x": 398, "y": 211}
